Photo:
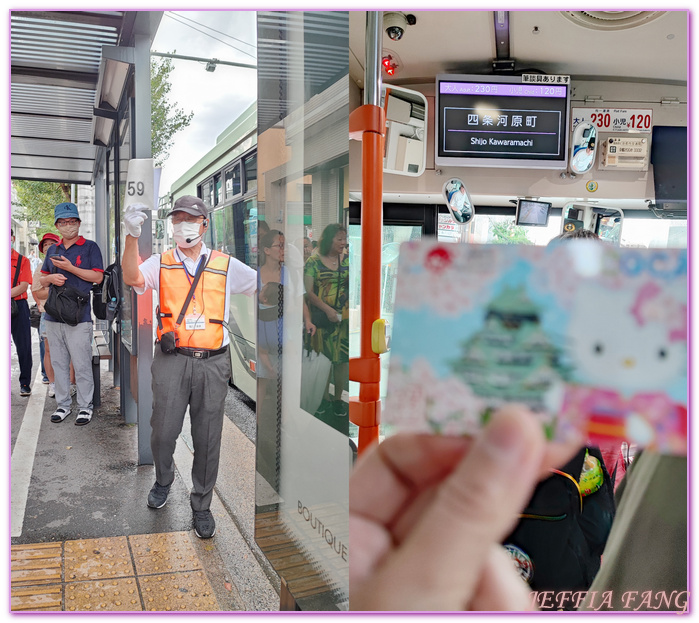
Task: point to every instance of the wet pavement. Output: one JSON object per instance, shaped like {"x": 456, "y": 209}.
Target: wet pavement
{"x": 84, "y": 483}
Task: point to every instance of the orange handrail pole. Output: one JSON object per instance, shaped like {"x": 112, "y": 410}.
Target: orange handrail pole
{"x": 369, "y": 122}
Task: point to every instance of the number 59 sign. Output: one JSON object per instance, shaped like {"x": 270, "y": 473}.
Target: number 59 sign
{"x": 142, "y": 181}
{"x": 615, "y": 120}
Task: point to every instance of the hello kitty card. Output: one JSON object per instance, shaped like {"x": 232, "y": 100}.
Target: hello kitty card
{"x": 590, "y": 336}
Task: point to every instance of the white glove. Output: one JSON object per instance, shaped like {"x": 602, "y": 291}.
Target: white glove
{"x": 134, "y": 217}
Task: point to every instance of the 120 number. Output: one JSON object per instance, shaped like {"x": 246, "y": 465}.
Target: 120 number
{"x": 640, "y": 122}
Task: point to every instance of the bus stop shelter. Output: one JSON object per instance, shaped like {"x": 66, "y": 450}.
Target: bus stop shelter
{"x": 80, "y": 111}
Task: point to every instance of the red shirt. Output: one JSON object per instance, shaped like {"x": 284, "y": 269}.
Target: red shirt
{"x": 25, "y": 272}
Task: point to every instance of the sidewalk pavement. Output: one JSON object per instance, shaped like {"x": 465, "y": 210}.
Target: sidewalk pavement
{"x": 86, "y": 484}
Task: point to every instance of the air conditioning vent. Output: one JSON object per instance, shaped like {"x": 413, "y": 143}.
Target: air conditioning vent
{"x": 612, "y": 20}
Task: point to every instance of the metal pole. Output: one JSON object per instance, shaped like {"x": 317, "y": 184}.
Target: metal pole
{"x": 372, "y": 236}
{"x": 372, "y": 58}
{"x": 215, "y": 61}
{"x": 143, "y": 311}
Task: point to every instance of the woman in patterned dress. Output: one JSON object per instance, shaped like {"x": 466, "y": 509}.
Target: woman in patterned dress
{"x": 326, "y": 278}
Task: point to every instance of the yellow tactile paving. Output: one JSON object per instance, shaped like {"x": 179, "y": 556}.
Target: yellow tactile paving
{"x": 178, "y": 592}
{"x": 37, "y": 597}
{"x": 103, "y": 596}
{"x": 48, "y": 571}
{"x": 95, "y": 559}
{"x": 159, "y": 572}
{"x": 164, "y": 553}
{"x": 36, "y": 550}
{"x": 35, "y": 564}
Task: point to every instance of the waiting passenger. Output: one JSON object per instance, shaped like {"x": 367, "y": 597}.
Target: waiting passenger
{"x": 191, "y": 366}
{"x": 327, "y": 282}
{"x": 75, "y": 263}
{"x": 271, "y": 273}
{"x": 20, "y": 280}
{"x": 40, "y": 294}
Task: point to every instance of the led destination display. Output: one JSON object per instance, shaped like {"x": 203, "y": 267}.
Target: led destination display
{"x": 501, "y": 132}
{"x": 501, "y": 122}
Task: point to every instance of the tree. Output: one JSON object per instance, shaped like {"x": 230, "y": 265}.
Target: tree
{"x": 166, "y": 119}
{"x": 508, "y": 233}
{"x": 36, "y": 201}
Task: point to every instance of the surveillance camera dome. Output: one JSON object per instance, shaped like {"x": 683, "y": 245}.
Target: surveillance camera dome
{"x": 395, "y": 24}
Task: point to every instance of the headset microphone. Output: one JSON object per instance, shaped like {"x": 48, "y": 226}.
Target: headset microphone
{"x": 205, "y": 223}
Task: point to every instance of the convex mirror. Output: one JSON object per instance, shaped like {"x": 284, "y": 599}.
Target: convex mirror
{"x": 583, "y": 148}
{"x": 458, "y": 201}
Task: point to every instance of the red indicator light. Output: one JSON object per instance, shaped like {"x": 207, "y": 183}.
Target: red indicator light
{"x": 388, "y": 65}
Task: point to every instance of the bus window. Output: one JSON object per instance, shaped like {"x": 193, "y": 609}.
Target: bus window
{"x": 654, "y": 233}
{"x": 501, "y": 229}
{"x": 250, "y": 165}
{"x": 218, "y": 189}
{"x": 233, "y": 181}
{"x": 232, "y": 231}
{"x": 207, "y": 192}
{"x": 393, "y": 236}
{"x": 219, "y": 224}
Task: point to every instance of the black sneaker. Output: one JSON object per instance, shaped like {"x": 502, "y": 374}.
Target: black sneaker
{"x": 158, "y": 495}
{"x": 204, "y": 524}
{"x": 25, "y": 390}
{"x": 59, "y": 415}
{"x": 340, "y": 408}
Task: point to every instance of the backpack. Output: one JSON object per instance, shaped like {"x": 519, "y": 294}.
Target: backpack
{"x": 559, "y": 539}
{"x": 106, "y": 296}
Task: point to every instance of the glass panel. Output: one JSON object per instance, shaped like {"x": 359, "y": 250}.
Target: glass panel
{"x": 654, "y": 233}
{"x": 393, "y": 236}
{"x": 496, "y": 229}
{"x": 218, "y": 189}
{"x": 207, "y": 192}
{"x": 233, "y": 181}
{"x": 233, "y": 231}
{"x": 303, "y": 450}
{"x": 250, "y": 173}
{"x": 128, "y": 296}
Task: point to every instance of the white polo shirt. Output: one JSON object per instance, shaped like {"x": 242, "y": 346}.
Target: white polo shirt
{"x": 241, "y": 279}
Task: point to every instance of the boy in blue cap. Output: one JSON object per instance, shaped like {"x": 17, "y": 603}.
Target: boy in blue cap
{"x": 76, "y": 262}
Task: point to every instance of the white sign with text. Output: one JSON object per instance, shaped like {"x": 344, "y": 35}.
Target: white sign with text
{"x": 614, "y": 119}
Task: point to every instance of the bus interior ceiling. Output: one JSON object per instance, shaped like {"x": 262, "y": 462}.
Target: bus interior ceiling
{"x": 615, "y": 60}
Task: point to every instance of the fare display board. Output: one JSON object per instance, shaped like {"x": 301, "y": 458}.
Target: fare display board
{"x": 501, "y": 121}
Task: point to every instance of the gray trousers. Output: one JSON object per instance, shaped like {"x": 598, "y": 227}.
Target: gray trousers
{"x": 201, "y": 384}
{"x": 71, "y": 344}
